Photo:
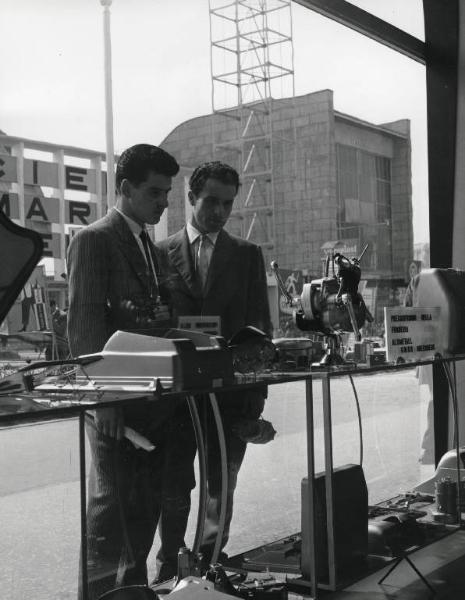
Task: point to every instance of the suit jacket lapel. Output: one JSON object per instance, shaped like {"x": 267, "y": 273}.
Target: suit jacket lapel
{"x": 129, "y": 247}
{"x": 180, "y": 257}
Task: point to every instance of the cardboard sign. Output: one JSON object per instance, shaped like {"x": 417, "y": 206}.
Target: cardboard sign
{"x": 411, "y": 333}
{"x": 201, "y": 323}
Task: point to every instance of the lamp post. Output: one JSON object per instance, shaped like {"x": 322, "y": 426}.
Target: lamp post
{"x": 110, "y": 152}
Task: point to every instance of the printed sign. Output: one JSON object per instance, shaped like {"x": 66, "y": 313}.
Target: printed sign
{"x": 47, "y": 210}
{"x": 200, "y": 323}
{"x": 412, "y": 333}
{"x": 42, "y": 173}
{"x": 40, "y": 307}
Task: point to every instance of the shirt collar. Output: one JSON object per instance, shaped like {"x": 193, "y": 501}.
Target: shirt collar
{"x": 133, "y": 226}
{"x": 193, "y": 234}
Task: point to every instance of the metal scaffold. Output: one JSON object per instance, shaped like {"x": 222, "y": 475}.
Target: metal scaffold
{"x": 252, "y": 67}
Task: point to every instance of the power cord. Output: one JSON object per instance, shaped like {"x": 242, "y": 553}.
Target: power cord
{"x": 359, "y": 415}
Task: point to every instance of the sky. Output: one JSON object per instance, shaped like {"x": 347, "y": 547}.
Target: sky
{"x": 51, "y": 72}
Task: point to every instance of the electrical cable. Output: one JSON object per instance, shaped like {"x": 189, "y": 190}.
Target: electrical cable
{"x": 224, "y": 476}
{"x": 359, "y": 415}
{"x": 202, "y": 508}
{"x": 452, "y": 381}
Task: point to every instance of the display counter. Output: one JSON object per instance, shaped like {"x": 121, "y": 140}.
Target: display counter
{"x": 62, "y": 403}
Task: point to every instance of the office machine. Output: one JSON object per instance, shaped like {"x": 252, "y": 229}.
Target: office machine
{"x": 170, "y": 359}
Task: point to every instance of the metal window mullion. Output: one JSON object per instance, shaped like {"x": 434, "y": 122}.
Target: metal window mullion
{"x": 368, "y": 24}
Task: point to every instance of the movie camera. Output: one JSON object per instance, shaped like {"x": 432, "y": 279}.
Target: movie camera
{"x": 331, "y": 305}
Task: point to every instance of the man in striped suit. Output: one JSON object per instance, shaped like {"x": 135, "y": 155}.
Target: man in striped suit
{"x": 114, "y": 284}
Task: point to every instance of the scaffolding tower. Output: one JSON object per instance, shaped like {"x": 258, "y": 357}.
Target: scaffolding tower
{"x": 252, "y": 67}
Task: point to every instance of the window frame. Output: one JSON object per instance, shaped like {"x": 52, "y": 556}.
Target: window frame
{"x": 440, "y": 55}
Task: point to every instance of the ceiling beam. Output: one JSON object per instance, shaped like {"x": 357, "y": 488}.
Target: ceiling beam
{"x": 367, "y": 24}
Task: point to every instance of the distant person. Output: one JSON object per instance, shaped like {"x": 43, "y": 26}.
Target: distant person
{"x": 26, "y": 304}
{"x": 210, "y": 272}
{"x": 425, "y": 380}
{"x": 114, "y": 283}
{"x": 59, "y": 326}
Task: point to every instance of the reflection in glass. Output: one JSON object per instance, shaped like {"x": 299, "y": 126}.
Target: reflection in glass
{"x": 39, "y": 504}
{"x": 393, "y": 421}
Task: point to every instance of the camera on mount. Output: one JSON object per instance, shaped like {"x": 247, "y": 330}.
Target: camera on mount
{"x": 331, "y": 305}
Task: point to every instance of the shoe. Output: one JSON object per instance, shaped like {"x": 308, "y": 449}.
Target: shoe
{"x": 206, "y": 562}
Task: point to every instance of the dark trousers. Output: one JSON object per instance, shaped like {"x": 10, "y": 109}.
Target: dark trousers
{"x": 231, "y": 406}
{"x": 130, "y": 492}
{"x": 170, "y": 520}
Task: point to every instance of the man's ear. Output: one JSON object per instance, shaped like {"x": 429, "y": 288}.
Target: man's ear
{"x": 125, "y": 187}
{"x": 191, "y": 197}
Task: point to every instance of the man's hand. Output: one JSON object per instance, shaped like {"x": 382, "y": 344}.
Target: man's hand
{"x": 109, "y": 421}
{"x": 255, "y": 431}
{"x": 162, "y": 312}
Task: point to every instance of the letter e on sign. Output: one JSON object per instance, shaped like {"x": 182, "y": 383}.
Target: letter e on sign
{"x": 47, "y": 239}
{"x": 76, "y": 178}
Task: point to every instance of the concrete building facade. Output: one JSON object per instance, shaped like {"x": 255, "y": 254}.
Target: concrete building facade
{"x": 339, "y": 183}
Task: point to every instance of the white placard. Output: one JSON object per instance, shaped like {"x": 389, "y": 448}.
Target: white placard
{"x": 412, "y": 333}
{"x": 201, "y": 323}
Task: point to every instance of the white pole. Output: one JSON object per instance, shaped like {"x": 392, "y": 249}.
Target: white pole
{"x": 108, "y": 104}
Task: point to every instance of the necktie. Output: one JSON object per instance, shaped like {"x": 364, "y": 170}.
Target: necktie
{"x": 203, "y": 258}
{"x": 151, "y": 267}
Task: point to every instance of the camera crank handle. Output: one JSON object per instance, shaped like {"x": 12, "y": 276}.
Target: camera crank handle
{"x": 350, "y": 309}
{"x": 290, "y": 301}
{"x": 357, "y": 260}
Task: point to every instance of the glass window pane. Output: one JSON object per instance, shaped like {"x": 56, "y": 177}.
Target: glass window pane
{"x": 348, "y": 155}
{"x": 390, "y": 445}
{"x": 379, "y": 101}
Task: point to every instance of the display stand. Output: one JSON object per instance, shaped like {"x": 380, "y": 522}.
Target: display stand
{"x": 309, "y": 582}
{"x": 420, "y": 575}
{"x": 62, "y": 405}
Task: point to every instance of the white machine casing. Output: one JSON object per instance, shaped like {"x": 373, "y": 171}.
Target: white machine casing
{"x": 444, "y": 288}
{"x": 181, "y": 360}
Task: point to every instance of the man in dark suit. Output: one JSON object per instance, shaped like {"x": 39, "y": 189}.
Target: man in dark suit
{"x": 210, "y": 272}
{"x": 114, "y": 283}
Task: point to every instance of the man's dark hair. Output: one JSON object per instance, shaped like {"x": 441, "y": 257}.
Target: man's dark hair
{"x": 213, "y": 170}
{"x": 136, "y": 162}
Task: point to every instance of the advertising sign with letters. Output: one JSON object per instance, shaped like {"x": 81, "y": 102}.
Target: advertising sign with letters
{"x": 39, "y": 172}
{"x": 50, "y": 197}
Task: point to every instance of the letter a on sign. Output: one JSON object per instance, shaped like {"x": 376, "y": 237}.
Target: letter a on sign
{"x": 36, "y": 210}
